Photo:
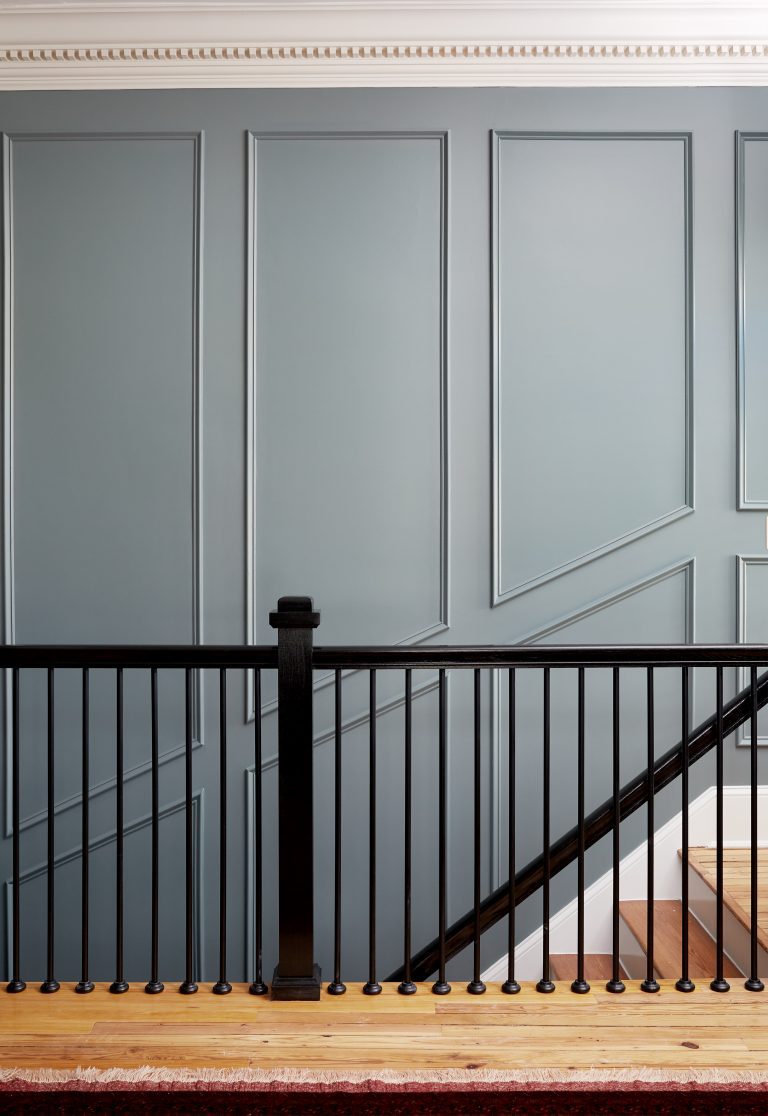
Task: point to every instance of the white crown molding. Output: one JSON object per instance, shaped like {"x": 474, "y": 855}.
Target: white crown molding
{"x": 81, "y": 44}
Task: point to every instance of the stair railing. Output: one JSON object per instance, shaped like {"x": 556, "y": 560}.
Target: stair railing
{"x": 297, "y": 974}
{"x": 601, "y": 821}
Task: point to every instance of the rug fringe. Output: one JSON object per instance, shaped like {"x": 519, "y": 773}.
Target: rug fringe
{"x": 385, "y": 1077}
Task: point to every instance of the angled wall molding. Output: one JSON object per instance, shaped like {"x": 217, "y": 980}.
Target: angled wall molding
{"x": 82, "y": 44}
{"x": 743, "y": 563}
{"x": 355, "y": 722}
{"x": 441, "y": 622}
{"x": 104, "y": 841}
{"x": 500, "y": 592}
{"x": 687, "y": 568}
{"x": 7, "y": 494}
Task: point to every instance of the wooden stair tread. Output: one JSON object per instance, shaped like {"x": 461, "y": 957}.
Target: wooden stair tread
{"x": 666, "y": 946}
{"x": 597, "y": 966}
{"x": 736, "y": 883}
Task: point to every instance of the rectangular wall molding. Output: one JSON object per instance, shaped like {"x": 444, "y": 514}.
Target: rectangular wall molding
{"x": 506, "y": 586}
{"x": 256, "y": 610}
{"x": 10, "y": 143}
{"x": 751, "y": 283}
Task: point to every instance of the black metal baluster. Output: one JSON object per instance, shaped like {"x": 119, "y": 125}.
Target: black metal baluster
{"x": 188, "y": 986}
{"x": 257, "y": 986}
{"x": 372, "y": 986}
{"x": 650, "y": 984}
{"x": 545, "y": 984}
{"x": 119, "y": 984}
{"x": 476, "y": 986}
{"x": 154, "y": 985}
{"x": 616, "y": 984}
{"x": 719, "y": 984}
{"x": 406, "y": 986}
{"x": 85, "y": 984}
{"x": 580, "y": 984}
{"x": 510, "y": 985}
{"x": 222, "y": 985}
{"x": 16, "y": 984}
{"x": 50, "y": 984}
{"x": 753, "y": 982}
{"x": 441, "y": 987}
{"x": 337, "y": 987}
{"x": 685, "y": 984}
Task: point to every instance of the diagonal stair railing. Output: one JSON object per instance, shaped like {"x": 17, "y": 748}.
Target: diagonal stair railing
{"x": 598, "y": 824}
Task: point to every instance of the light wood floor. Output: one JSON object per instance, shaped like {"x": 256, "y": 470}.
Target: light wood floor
{"x": 530, "y": 1030}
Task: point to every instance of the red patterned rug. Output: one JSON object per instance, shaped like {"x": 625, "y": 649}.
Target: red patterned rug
{"x": 449, "y": 1092}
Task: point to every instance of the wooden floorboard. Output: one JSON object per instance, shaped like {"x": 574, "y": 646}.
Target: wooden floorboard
{"x": 530, "y": 1030}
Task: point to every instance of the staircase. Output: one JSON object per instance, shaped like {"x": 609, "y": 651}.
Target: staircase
{"x": 701, "y": 926}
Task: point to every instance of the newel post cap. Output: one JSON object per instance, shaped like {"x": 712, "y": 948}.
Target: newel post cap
{"x": 294, "y": 612}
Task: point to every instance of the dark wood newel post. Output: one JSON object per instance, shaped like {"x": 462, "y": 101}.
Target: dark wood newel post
{"x": 297, "y": 975}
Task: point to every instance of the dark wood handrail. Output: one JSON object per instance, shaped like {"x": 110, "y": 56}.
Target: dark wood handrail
{"x": 599, "y": 823}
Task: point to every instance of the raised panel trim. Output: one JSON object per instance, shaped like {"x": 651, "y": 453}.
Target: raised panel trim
{"x": 442, "y": 621}
{"x": 8, "y": 586}
{"x": 743, "y": 562}
{"x": 743, "y": 503}
{"x": 500, "y": 593}
{"x": 108, "y": 838}
{"x": 687, "y": 567}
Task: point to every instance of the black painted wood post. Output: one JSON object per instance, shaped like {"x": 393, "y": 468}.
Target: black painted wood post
{"x": 297, "y": 975}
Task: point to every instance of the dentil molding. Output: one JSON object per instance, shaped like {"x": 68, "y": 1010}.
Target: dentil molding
{"x": 81, "y": 44}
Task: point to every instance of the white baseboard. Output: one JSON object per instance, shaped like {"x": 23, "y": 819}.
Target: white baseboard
{"x": 633, "y": 871}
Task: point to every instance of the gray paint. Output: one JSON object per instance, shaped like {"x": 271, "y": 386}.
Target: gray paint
{"x": 148, "y": 393}
{"x": 752, "y": 334}
{"x": 591, "y": 248}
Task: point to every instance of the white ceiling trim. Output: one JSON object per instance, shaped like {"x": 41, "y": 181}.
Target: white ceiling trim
{"x": 81, "y": 44}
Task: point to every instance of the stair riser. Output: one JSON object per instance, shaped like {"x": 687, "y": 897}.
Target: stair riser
{"x": 736, "y": 940}
{"x": 632, "y": 954}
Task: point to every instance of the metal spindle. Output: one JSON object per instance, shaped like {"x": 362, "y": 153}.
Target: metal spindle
{"x": 188, "y": 986}
{"x": 85, "y": 984}
{"x": 257, "y": 986}
{"x": 753, "y": 982}
{"x": 650, "y": 984}
{"x": 616, "y": 984}
{"x": 222, "y": 985}
{"x": 372, "y": 986}
{"x": 154, "y": 985}
{"x": 441, "y": 987}
{"x": 50, "y": 984}
{"x": 545, "y": 984}
{"x": 580, "y": 984}
{"x": 337, "y": 987}
{"x": 719, "y": 984}
{"x": 16, "y": 984}
{"x": 685, "y": 984}
{"x": 510, "y": 985}
{"x": 406, "y": 986}
{"x": 119, "y": 984}
{"x": 476, "y": 986}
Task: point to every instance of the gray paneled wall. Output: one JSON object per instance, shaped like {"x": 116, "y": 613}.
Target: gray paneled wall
{"x": 440, "y": 365}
